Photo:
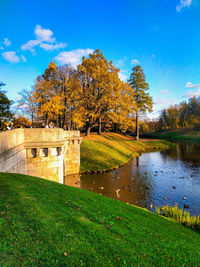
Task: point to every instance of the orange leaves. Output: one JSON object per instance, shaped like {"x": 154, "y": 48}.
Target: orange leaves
{"x": 47, "y": 94}
{"x": 102, "y": 92}
{"x": 87, "y": 96}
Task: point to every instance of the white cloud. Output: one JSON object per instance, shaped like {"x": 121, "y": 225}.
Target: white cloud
{"x": 30, "y": 44}
{"x": 45, "y": 35}
{"x": 182, "y": 4}
{"x": 164, "y": 91}
{"x": 44, "y": 39}
{"x": 1, "y": 48}
{"x": 7, "y": 42}
{"x": 190, "y": 85}
{"x": 73, "y": 57}
{"x": 51, "y": 47}
{"x": 191, "y": 93}
{"x": 134, "y": 62}
{"x": 11, "y": 56}
{"x": 23, "y": 58}
{"x": 123, "y": 77}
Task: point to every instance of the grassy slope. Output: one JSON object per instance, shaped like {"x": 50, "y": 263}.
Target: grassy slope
{"x": 46, "y": 223}
{"x": 110, "y": 150}
{"x": 176, "y": 135}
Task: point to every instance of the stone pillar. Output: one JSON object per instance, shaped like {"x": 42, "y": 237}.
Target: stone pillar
{"x": 72, "y": 157}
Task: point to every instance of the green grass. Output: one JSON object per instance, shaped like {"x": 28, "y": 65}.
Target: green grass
{"x": 176, "y": 135}
{"x": 108, "y": 151}
{"x": 43, "y": 223}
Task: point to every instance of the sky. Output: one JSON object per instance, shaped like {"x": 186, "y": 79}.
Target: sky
{"x": 162, "y": 36}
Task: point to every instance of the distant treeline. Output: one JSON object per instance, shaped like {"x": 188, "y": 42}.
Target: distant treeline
{"x": 186, "y": 115}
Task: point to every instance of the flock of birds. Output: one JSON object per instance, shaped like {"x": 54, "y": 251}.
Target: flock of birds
{"x": 117, "y": 191}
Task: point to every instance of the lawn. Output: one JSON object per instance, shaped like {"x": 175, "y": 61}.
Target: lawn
{"x": 176, "y": 135}
{"x": 43, "y": 223}
{"x": 102, "y": 152}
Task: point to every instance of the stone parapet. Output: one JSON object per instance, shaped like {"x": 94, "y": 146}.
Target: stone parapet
{"x": 45, "y": 153}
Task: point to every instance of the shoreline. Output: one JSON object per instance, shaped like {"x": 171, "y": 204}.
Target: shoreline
{"x": 111, "y": 151}
{"x": 111, "y": 169}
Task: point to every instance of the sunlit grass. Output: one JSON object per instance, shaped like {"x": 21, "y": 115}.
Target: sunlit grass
{"x": 176, "y": 135}
{"x": 111, "y": 150}
{"x": 43, "y": 223}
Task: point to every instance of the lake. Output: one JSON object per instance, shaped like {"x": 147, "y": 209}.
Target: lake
{"x": 154, "y": 178}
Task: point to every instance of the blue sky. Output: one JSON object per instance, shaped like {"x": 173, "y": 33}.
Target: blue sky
{"x": 162, "y": 36}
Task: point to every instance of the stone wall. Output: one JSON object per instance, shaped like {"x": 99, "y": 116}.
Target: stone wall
{"x": 45, "y": 153}
{"x": 12, "y": 151}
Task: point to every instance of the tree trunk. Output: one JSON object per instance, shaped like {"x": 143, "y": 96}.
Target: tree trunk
{"x": 137, "y": 161}
{"x": 32, "y": 120}
{"x": 115, "y": 127}
{"x": 137, "y": 126}
{"x": 59, "y": 121}
{"x": 64, "y": 119}
{"x": 99, "y": 126}
{"x": 87, "y": 131}
{"x": 46, "y": 119}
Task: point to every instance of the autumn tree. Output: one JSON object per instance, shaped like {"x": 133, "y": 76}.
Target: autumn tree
{"x": 5, "y": 105}
{"x": 123, "y": 109}
{"x": 173, "y": 116}
{"x": 100, "y": 89}
{"x": 72, "y": 112}
{"x": 20, "y": 121}
{"x": 47, "y": 94}
{"x": 184, "y": 115}
{"x": 142, "y": 99}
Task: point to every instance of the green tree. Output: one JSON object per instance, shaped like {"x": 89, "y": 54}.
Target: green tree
{"x": 142, "y": 99}
{"x": 5, "y": 105}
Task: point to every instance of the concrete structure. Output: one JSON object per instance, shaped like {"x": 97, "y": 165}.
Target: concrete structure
{"x": 45, "y": 153}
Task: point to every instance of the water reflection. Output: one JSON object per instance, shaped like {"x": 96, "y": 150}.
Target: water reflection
{"x": 156, "y": 178}
{"x": 72, "y": 180}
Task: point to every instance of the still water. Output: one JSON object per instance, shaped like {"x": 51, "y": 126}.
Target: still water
{"x": 155, "y": 178}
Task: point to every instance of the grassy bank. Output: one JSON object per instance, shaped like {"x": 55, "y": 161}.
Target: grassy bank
{"x": 175, "y": 135}
{"x": 43, "y": 223}
{"x": 111, "y": 150}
